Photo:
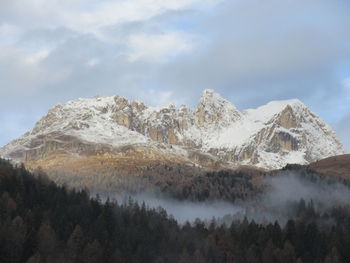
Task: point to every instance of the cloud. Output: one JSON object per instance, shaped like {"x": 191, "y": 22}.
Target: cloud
{"x": 342, "y": 128}
{"x": 19, "y": 69}
{"x": 280, "y": 49}
{"x": 248, "y": 50}
{"x": 157, "y": 48}
{"x": 277, "y": 202}
{"x": 9, "y": 34}
{"x": 92, "y": 62}
{"x": 37, "y": 57}
{"x": 92, "y": 15}
{"x": 162, "y": 98}
{"x": 182, "y": 211}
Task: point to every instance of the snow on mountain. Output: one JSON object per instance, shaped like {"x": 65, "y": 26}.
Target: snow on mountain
{"x": 270, "y": 136}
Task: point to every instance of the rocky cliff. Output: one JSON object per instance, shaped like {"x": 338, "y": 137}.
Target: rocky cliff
{"x": 214, "y": 134}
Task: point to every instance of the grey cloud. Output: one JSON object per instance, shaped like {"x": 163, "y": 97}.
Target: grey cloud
{"x": 249, "y": 51}
{"x": 16, "y": 72}
{"x": 37, "y": 37}
{"x": 268, "y": 51}
{"x": 68, "y": 75}
{"x": 120, "y": 32}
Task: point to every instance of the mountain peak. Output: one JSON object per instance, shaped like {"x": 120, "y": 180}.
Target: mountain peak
{"x": 213, "y": 109}
{"x": 210, "y": 93}
{"x": 210, "y": 97}
{"x": 270, "y": 136}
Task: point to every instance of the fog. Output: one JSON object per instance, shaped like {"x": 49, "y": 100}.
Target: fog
{"x": 278, "y": 202}
{"x": 292, "y": 187}
{"x": 184, "y": 211}
{"x": 284, "y": 192}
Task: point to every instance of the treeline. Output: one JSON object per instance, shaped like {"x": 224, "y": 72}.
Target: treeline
{"x": 43, "y": 222}
{"x": 313, "y": 175}
{"x": 224, "y": 185}
{"x": 179, "y": 182}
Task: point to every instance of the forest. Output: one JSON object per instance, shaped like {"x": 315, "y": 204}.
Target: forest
{"x": 175, "y": 182}
{"x": 41, "y": 221}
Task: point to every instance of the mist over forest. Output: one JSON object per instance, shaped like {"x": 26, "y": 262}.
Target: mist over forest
{"x": 45, "y": 222}
{"x": 278, "y": 202}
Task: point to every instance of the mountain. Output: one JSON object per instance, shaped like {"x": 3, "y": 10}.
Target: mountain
{"x": 110, "y": 134}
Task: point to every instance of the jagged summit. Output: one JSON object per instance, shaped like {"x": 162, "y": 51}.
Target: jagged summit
{"x": 210, "y": 97}
{"x": 214, "y": 133}
{"x": 213, "y": 109}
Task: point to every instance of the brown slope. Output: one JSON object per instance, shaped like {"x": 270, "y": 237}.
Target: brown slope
{"x": 337, "y": 166}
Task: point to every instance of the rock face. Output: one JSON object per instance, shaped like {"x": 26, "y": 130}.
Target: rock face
{"x": 215, "y": 134}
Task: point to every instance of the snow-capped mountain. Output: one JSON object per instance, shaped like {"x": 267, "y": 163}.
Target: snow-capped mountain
{"x": 214, "y": 133}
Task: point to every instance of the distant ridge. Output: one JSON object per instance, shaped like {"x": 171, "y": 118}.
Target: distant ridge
{"x": 337, "y": 166}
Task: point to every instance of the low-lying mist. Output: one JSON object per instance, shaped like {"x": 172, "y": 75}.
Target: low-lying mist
{"x": 184, "y": 211}
{"x": 279, "y": 202}
{"x": 289, "y": 187}
{"x": 288, "y": 193}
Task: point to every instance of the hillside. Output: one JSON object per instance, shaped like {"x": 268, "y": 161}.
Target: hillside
{"x": 338, "y": 166}
{"x": 43, "y": 222}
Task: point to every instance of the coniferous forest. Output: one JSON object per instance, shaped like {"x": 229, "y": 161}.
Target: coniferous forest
{"x": 43, "y": 222}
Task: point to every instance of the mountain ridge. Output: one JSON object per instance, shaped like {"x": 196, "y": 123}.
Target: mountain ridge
{"x": 214, "y": 134}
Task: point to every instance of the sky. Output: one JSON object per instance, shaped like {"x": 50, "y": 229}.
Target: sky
{"x": 169, "y": 51}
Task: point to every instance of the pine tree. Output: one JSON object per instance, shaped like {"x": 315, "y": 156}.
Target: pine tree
{"x": 47, "y": 241}
{"x": 93, "y": 253}
{"x": 75, "y": 244}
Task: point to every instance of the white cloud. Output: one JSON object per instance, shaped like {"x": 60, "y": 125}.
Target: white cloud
{"x": 90, "y": 16}
{"x": 9, "y": 34}
{"x": 23, "y": 72}
{"x": 92, "y": 62}
{"x": 18, "y": 69}
{"x": 251, "y": 51}
{"x": 115, "y": 12}
{"x": 161, "y": 98}
{"x": 158, "y": 48}
{"x": 36, "y": 57}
